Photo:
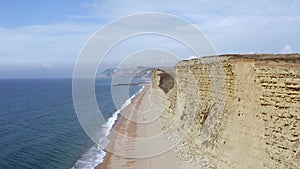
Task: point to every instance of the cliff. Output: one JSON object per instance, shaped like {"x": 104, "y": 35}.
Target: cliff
{"x": 136, "y": 72}
{"x": 234, "y": 111}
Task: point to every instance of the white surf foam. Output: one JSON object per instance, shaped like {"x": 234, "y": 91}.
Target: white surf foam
{"x": 95, "y": 155}
{"x": 90, "y": 159}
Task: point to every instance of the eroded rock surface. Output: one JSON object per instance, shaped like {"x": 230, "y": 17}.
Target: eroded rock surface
{"x": 235, "y": 111}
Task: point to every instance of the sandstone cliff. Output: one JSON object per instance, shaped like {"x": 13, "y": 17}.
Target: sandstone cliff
{"x": 234, "y": 111}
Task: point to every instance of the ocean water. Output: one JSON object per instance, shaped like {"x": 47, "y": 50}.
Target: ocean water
{"x": 39, "y": 127}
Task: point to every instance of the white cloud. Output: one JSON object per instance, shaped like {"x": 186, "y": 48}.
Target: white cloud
{"x": 45, "y": 65}
{"x": 232, "y": 26}
{"x": 37, "y": 44}
{"x": 192, "y": 57}
{"x": 195, "y": 10}
{"x": 287, "y": 49}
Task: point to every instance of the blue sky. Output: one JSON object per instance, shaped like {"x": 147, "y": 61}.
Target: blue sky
{"x": 44, "y": 38}
{"x": 17, "y": 13}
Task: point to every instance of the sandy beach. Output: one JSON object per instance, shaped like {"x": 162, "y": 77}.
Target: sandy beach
{"x": 127, "y": 148}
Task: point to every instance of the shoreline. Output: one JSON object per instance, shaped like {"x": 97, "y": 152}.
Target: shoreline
{"x": 117, "y": 127}
{"x": 125, "y": 150}
{"x": 112, "y": 123}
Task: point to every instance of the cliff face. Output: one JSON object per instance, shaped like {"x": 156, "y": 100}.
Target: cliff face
{"x": 136, "y": 72}
{"x": 234, "y": 111}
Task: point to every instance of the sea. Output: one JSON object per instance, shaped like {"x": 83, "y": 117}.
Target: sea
{"x": 39, "y": 127}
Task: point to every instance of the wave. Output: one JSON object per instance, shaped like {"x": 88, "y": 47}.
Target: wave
{"x": 95, "y": 155}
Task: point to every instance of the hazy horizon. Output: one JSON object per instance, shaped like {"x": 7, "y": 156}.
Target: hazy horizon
{"x": 43, "y": 39}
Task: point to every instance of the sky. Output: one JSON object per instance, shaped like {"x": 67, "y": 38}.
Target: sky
{"x": 44, "y": 38}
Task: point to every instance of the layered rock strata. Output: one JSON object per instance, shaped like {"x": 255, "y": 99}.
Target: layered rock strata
{"x": 234, "y": 111}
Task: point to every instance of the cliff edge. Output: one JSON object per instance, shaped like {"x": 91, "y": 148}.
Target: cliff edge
{"x": 234, "y": 111}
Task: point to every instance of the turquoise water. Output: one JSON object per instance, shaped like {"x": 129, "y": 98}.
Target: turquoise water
{"x": 39, "y": 127}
